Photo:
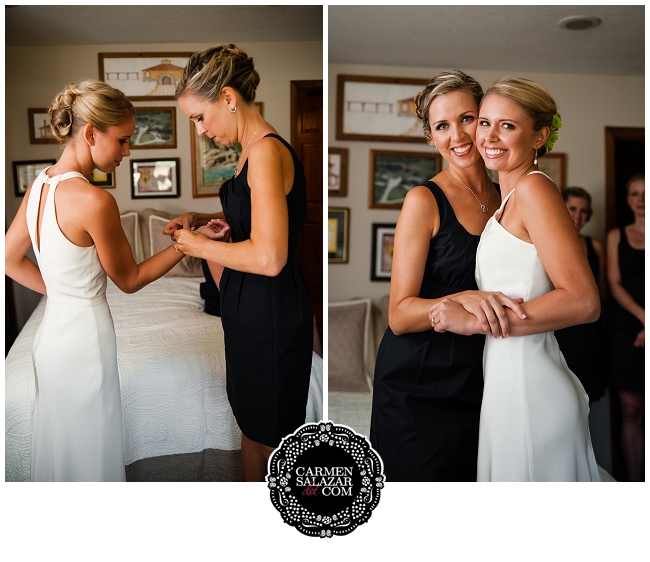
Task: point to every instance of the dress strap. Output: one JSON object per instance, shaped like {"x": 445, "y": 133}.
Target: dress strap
{"x": 33, "y": 205}
{"x": 54, "y": 180}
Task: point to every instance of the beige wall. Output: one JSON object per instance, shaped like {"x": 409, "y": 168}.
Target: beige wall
{"x": 35, "y": 74}
{"x": 587, "y": 104}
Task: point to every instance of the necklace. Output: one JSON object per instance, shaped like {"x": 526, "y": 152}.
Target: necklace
{"x": 247, "y": 145}
{"x": 484, "y": 208}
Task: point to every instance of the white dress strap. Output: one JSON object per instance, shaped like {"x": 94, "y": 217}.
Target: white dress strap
{"x": 54, "y": 180}
{"x": 33, "y": 206}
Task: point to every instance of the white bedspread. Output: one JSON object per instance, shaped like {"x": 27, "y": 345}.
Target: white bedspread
{"x": 172, "y": 377}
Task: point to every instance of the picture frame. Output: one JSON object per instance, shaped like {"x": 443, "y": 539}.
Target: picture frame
{"x": 40, "y": 131}
{"x": 102, "y": 179}
{"x": 378, "y": 108}
{"x": 155, "y": 127}
{"x": 212, "y": 164}
{"x": 155, "y": 178}
{"x": 383, "y": 241}
{"x": 393, "y": 173}
{"x": 338, "y": 234}
{"x": 143, "y": 76}
{"x": 553, "y": 164}
{"x": 337, "y": 171}
{"x": 26, "y": 171}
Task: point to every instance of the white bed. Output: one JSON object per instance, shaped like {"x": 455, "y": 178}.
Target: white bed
{"x": 177, "y": 421}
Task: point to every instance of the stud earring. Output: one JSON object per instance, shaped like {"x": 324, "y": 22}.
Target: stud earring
{"x": 233, "y": 108}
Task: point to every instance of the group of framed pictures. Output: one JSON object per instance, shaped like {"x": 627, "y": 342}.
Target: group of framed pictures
{"x": 145, "y": 77}
{"x": 379, "y": 108}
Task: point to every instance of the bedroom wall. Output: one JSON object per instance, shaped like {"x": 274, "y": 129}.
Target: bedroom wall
{"x": 33, "y": 76}
{"x": 587, "y": 104}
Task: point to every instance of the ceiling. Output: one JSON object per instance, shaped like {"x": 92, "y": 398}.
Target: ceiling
{"x": 510, "y": 38}
{"x": 107, "y": 25}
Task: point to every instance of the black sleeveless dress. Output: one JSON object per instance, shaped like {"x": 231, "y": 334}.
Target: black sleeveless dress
{"x": 428, "y": 386}
{"x": 626, "y": 362}
{"x": 267, "y": 324}
{"x": 584, "y": 347}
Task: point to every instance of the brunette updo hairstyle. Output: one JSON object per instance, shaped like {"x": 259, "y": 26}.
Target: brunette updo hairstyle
{"x": 444, "y": 83}
{"x": 89, "y": 101}
{"x": 580, "y": 193}
{"x": 209, "y": 72}
{"x": 532, "y": 97}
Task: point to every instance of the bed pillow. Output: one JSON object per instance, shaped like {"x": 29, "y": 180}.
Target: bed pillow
{"x": 348, "y": 331}
{"x": 131, "y": 227}
{"x": 188, "y": 266}
{"x": 144, "y": 228}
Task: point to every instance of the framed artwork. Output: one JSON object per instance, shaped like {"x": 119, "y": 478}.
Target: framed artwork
{"x": 102, "y": 179}
{"x": 337, "y": 172}
{"x": 338, "y": 233}
{"x": 394, "y": 173}
{"x": 553, "y": 164}
{"x": 40, "y": 131}
{"x": 143, "y": 76}
{"x": 26, "y": 171}
{"x": 212, "y": 164}
{"x": 155, "y": 178}
{"x": 155, "y": 127}
{"x": 378, "y": 108}
{"x": 383, "y": 240}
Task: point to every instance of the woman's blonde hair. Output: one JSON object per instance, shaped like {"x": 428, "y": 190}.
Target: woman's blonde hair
{"x": 209, "y": 72}
{"x": 444, "y": 83}
{"x": 89, "y": 101}
{"x": 532, "y": 97}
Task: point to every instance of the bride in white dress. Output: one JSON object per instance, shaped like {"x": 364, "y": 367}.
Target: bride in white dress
{"x": 534, "y": 415}
{"x": 77, "y": 238}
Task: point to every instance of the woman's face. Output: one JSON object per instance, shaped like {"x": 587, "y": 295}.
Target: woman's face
{"x": 636, "y": 197}
{"x": 212, "y": 119}
{"x": 112, "y": 145}
{"x": 505, "y": 135}
{"x": 452, "y": 118}
{"x": 579, "y": 211}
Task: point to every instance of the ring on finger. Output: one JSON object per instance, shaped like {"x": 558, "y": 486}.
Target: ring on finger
{"x": 175, "y": 247}
{"x": 433, "y": 321}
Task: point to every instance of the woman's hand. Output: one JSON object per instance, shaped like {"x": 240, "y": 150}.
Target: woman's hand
{"x": 189, "y": 242}
{"x": 449, "y": 316}
{"x": 216, "y": 229}
{"x": 640, "y": 339}
{"x": 489, "y": 310}
{"x": 186, "y": 220}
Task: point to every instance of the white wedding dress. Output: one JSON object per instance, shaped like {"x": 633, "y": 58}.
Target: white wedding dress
{"x": 77, "y": 431}
{"x": 535, "y": 413}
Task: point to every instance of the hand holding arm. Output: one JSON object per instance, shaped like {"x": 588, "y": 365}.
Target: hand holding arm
{"x": 190, "y": 220}
{"x": 488, "y": 308}
{"x": 216, "y": 229}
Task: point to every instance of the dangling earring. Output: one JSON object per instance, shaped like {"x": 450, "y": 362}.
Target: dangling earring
{"x": 233, "y": 108}
{"x": 535, "y": 161}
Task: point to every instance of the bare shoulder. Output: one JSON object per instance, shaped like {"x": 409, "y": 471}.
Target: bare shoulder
{"x": 535, "y": 188}
{"x": 419, "y": 201}
{"x": 613, "y": 237}
{"x": 598, "y": 245}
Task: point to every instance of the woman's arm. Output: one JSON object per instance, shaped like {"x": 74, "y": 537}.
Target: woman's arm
{"x": 602, "y": 269}
{"x": 17, "y": 243}
{"x": 190, "y": 220}
{"x": 266, "y": 251}
{"x": 102, "y": 222}
{"x": 620, "y": 294}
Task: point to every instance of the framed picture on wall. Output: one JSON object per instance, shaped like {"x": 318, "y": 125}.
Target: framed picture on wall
{"x": 102, "y": 179}
{"x": 383, "y": 240}
{"x": 155, "y": 127}
{"x": 212, "y": 164}
{"x": 155, "y": 179}
{"x": 378, "y": 108}
{"x": 143, "y": 76}
{"x": 393, "y": 174}
{"x": 338, "y": 229}
{"x": 337, "y": 172}
{"x": 553, "y": 164}
{"x": 26, "y": 171}
{"x": 39, "y": 127}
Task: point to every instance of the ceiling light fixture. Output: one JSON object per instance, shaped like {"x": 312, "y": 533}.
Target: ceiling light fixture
{"x": 576, "y": 23}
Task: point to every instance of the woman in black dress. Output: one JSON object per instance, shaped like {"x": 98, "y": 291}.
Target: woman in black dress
{"x": 583, "y": 346}
{"x": 626, "y": 327}
{"x": 265, "y": 307}
{"x": 428, "y": 386}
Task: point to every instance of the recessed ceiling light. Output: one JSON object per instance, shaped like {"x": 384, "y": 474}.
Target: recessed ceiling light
{"x": 575, "y": 23}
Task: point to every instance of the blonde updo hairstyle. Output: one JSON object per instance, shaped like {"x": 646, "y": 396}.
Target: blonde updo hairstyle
{"x": 88, "y": 102}
{"x": 444, "y": 83}
{"x": 533, "y": 98}
{"x": 210, "y": 71}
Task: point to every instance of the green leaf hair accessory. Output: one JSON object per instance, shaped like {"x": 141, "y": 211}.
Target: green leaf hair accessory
{"x": 555, "y": 125}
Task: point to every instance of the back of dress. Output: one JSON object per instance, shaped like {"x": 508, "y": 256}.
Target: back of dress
{"x": 77, "y": 430}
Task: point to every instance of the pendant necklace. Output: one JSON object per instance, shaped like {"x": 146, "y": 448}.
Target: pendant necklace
{"x": 247, "y": 145}
{"x": 484, "y": 208}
